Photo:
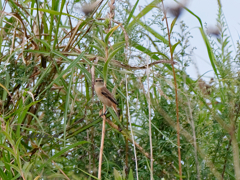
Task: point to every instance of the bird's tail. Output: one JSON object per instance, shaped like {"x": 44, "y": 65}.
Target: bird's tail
{"x": 114, "y": 106}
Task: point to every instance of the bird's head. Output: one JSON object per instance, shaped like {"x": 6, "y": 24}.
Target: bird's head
{"x": 99, "y": 82}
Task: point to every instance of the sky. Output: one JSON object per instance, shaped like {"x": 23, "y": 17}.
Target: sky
{"x": 207, "y": 10}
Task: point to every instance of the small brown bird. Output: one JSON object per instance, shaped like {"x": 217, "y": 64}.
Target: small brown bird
{"x": 104, "y": 95}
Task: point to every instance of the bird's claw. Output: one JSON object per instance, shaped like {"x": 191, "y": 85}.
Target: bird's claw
{"x": 103, "y": 114}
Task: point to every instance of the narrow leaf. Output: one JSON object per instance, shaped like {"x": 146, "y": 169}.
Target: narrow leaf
{"x": 61, "y": 152}
{"x": 111, "y": 31}
{"x": 172, "y": 24}
{"x": 174, "y": 47}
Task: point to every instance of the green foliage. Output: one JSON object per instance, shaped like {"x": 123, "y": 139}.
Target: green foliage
{"x": 50, "y": 124}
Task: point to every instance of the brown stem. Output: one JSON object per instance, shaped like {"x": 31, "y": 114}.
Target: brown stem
{"x": 103, "y": 126}
{"x": 224, "y": 167}
{"x": 176, "y": 96}
{"x": 102, "y": 144}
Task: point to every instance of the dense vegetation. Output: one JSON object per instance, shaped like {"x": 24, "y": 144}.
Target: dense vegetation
{"x": 50, "y": 54}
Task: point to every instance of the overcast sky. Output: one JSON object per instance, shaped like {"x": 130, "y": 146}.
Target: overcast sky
{"x": 207, "y": 10}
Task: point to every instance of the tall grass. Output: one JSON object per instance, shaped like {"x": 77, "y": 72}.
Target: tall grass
{"x": 50, "y": 124}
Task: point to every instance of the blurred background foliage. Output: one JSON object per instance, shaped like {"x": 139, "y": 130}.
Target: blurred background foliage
{"x": 50, "y": 124}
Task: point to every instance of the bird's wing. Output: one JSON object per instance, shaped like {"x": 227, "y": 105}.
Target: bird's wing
{"x": 108, "y": 95}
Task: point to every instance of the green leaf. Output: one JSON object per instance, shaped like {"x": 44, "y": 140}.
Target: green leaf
{"x": 159, "y": 53}
{"x": 58, "y": 23}
{"x": 200, "y": 21}
{"x": 210, "y": 52}
{"x": 147, "y": 9}
{"x": 145, "y": 50}
{"x": 117, "y": 44}
{"x": 45, "y": 43}
{"x": 81, "y": 129}
{"x": 100, "y": 42}
{"x": 67, "y": 105}
{"x": 172, "y": 24}
{"x": 39, "y": 123}
{"x": 105, "y": 68}
{"x": 130, "y": 175}
{"x": 117, "y": 175}
{"x": 111, "y": 31}
{"x": 20, "y": 117}
{"x": 88, "y": 174}
{"x": 15, "y": 167}
{"x": 153, "y": 32}
{"x": 116, "y": 118}
{"x": 7, "y": 81}
{"x": 131, "y": 13}
{"x": 174, "y": 47}
{"x": 3, "y": 175}
{"x": 60, "y": 153}
{"x": 8, "y": 149}
{"x": 71, "y": 65}
{"x": 87, "y": 74}
{"x": 100, "y": 50}
{"x": 37, "y": 52}
{"x": 53, "y": 12}
{"x": 6, "y": 90}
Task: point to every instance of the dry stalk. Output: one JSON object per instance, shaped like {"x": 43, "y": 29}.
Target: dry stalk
{"x": 194, "y": 137}
{"x": 111, "y": 15}
{"x": 129, "y": 117}
{"x": 102, "y": 143}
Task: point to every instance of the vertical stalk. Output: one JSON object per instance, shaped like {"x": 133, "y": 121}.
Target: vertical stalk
{"x": 129, "y": 117}
{"x": 176, "y": 96}
{"x": 92, "y": 128}
{"x": 194, "y": 140}
{"x": 234, "y": 140}
{"x": 102, "y": 142}
{"x": 235, "y": 156}
{"x": 104, "y": 122}
{"x": 150, "y": 123}
{"x": 126, "y": 147}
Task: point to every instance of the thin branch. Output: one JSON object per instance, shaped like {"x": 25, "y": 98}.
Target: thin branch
{"x": 126, "y": 66}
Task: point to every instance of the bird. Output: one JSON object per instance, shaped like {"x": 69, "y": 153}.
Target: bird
{"x": 104, "y": 95}
{"x": 87, "y": 9}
